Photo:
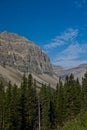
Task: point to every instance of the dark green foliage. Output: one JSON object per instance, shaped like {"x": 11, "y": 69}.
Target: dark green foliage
{"x": 68, "y": 99}
{"x": 79, "y": 123}
{"x": 25, "y": 108}
{"x": 28, "y": 104}
{"x": 84, "y": 92}
{"x": 45, "y": 106}
{"x": 19, "y": 106}
{"x": 76, "y": 98}
{"x": 2, "y": 105}
{"x": 59, "y": 104}
{"x": 14, "y": 108}
{"x": 32, "y": 104}
{"x": 22, "y": 104}
{"x": 72, "y": 97}
{"x": 8, "y": 105}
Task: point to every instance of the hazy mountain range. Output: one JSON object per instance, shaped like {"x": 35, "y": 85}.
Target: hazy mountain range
{"x": 78, "y": 71}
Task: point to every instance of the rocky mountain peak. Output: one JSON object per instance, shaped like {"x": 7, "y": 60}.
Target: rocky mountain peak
{"x": 11, "y": 36}
{"x": 23, "y": 54}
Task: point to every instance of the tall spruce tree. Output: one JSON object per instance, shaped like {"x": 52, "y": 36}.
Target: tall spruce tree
{"x": 2, "y": 104}
{"x": 51, "y": 100}
{"x": 76, "y": 98}
{"x": 8, "y": 99}
{"x": 59, "y": 104}
{"x": 22, "y": 104}
{"x": 46, "y": 107}
{"x": 32, "y": 104}
{"x": 68, "y": 97}
{"x": 84, "y": 92}
{"x": 14, "y": 108}
{"x": 72, "y": 97}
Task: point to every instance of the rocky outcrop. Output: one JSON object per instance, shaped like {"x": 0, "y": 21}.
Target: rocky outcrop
{"x": 57, "y": 69}
{"x": 78, "y": 71}
{"x": 22, "y": 54}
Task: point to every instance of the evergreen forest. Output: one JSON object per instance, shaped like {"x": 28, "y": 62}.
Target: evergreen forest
{"x": 29, "y": 108}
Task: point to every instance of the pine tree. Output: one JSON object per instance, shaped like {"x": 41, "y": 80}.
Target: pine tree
{"x": 72, "y": 97}
{"x": 22, "y": 104}
{"x": 14, "y": 108}
{"x": 68, "y": 97}
{"x": 8, "y": 98}
{"x": 76, "y": 98}
{"x": 2, "y": 103}
{"x": 32, "y": 104}
{"x": 84, "y": 92}
{"x": 51, "y": 92}
{"x": 59, "y": 104}
{"x": 45, "y": 108}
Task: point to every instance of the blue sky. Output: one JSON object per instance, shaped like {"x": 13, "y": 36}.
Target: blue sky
{"x": 59, "y": 27}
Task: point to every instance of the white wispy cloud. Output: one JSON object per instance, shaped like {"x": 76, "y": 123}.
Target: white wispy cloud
{"x": 69, "y": 52}
{"x": 70, "y": 57}
{"x": 67, "y": 36}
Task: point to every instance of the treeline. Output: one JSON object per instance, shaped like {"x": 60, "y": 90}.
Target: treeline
{"x": 26, "y": 108}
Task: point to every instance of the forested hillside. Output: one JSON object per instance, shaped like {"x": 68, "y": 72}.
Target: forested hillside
{"x": 27, "y": 108}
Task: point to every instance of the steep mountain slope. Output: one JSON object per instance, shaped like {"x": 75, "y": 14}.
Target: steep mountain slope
{"x": 57, "y": 69}
{"x": 18, "y": 55}
{"x": 11, "y": 74}
{"x": 77, "y": 72}
{"x": 22, "y": 54}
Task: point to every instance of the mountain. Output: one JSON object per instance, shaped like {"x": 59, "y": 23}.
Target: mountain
{"x": 57, "y": 69}
{"x": 78, "y": 71}
{"x": 19, "y": 55}
{"x": 9, "y": 73}
{"x": 23, "y": 54}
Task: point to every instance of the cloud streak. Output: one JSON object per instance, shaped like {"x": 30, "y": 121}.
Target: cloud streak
{"x": 70, "y": 57}
{"x": 67, "y": 36}
{"x": 66, "y": 49}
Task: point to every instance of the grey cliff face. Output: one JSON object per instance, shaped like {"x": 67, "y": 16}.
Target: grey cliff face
{"x": 78, "y": 71}
{"x": 23, "y": 54}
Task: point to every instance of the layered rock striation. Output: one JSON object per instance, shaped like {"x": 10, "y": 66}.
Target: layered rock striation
{"x": 23, "y": 54}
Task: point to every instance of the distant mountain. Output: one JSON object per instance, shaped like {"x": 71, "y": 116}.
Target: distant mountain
{"x": 57, "y": 69}
{"x": 78, "y": 71}
{"x": 22, "y": 54}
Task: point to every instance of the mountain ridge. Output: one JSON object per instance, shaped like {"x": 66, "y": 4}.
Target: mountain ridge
{"x": 18, "y": 55}
{"x": 23, "y": 54}
{"x": 77, "y": 71}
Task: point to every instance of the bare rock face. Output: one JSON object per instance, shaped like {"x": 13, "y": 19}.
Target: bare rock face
{"x": 22, "y": 54}
{"x": 57, "y": 69}
{"x": 78, "y": 71}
